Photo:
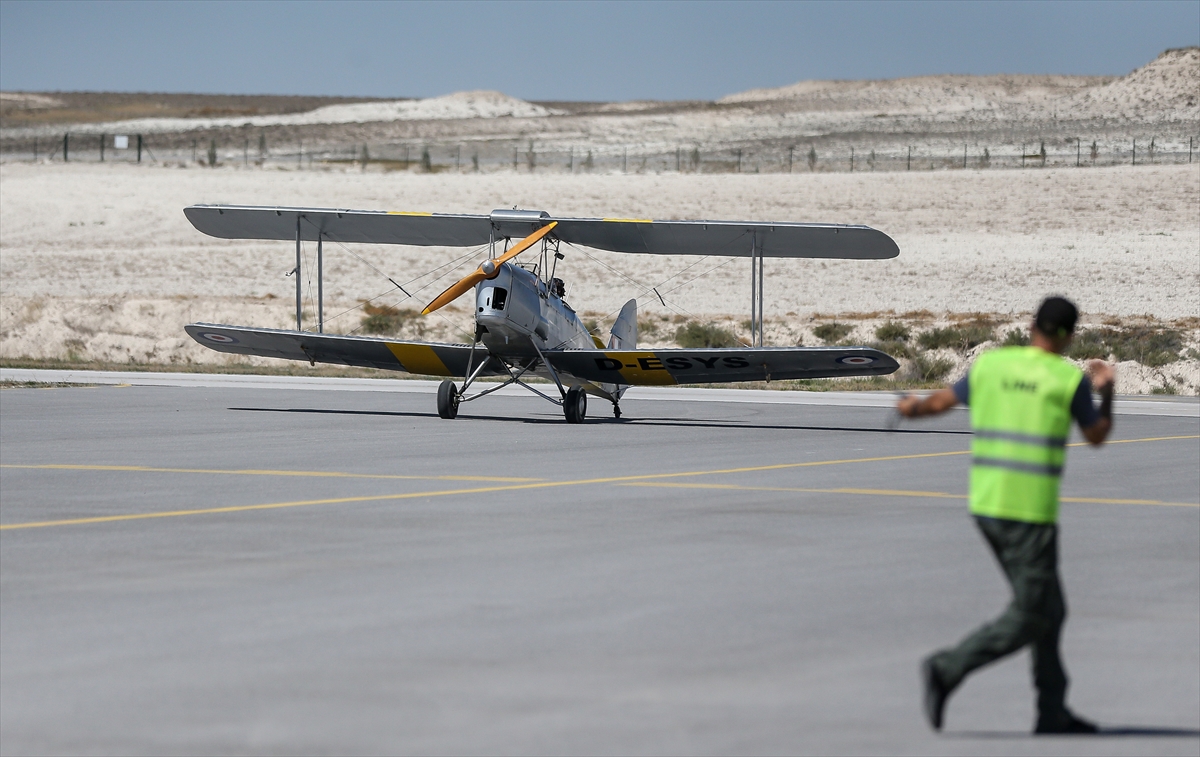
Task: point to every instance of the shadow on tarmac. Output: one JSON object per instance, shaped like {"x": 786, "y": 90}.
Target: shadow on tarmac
{"x": 1120, "y": 730}
{"x": 681, "y": 422}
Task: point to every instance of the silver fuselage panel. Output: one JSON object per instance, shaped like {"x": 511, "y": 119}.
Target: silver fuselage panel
{"x": 517, "y": 310}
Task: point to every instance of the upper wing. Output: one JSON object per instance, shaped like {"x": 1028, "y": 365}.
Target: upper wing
{"x": 364, "y": 352}
{"x": 368, "y": 226}
{"x": 727, "y": 238}
{"x": 658, "y": 367}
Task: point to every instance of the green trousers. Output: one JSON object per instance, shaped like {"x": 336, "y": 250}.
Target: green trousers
{"x": 1028, "y": 554}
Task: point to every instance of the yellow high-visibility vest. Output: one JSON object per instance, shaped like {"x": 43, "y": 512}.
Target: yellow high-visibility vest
{"x": 1020, "y": 400}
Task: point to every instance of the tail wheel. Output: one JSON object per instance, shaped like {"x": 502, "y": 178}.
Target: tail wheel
{"x": 447, "y": 399}
{"x": 575, "y": 405}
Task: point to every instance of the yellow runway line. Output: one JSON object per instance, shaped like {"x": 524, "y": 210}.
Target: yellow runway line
{"x": 648, "y": 477}
{"x": 252, "y": 472}
{"x": 803, "y": 490}
{"x": 898, "y": 493}
{"x": 1132, "y": 441}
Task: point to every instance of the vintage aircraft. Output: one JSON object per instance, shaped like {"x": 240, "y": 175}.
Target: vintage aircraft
{"x": 523, "y": 324}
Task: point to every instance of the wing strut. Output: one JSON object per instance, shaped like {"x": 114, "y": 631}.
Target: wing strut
{"x": 756, "y": 291}
{"x": 299, "y": 293}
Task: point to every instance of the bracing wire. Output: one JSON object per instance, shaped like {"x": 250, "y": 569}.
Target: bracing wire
{"x": 449, "y": 269}
{"x": 679, "y": 309}
{"x": 646, "y": 289}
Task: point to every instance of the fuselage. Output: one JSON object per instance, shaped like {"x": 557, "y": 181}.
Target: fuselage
{"x": 516, "y": 310}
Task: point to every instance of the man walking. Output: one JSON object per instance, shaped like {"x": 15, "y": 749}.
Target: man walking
{"x": 1022, "y": 400}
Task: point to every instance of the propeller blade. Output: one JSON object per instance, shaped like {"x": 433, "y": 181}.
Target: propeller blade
{"x": 486, "y": 270}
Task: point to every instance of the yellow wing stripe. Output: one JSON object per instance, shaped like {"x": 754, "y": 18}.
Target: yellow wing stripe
{"x": 406, "y": 213}
{"x": 642, "y": 368}
{"x": 419, "y": 358}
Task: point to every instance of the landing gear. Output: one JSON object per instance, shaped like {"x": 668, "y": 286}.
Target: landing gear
{"x": 616, "y": 410}
{"x": 575, "y": 404}
{"x": 447, "y": 399}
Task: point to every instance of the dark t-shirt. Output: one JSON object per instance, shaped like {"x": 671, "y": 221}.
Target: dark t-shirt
{"x": 1082, "y": 409}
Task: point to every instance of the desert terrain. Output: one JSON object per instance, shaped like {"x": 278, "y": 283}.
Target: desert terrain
{"x": 98, "y": 263}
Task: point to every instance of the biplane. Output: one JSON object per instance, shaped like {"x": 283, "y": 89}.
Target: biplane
{"x": 523, "y": 324}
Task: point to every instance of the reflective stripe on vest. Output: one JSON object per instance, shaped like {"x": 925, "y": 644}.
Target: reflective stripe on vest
{"x": 1020, "y": 401}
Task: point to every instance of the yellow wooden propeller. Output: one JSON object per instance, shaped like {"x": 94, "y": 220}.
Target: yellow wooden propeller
{"x": 486, "y": 270}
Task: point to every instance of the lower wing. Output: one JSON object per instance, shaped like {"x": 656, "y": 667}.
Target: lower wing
{"x": 663, "y": 367}
{"x": 364, "y": 352}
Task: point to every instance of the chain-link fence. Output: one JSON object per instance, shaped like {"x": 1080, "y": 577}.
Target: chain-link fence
{"x": 530, "y": 156}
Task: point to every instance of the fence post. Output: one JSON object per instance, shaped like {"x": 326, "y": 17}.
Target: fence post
{"x": 66, "y": 144}
{"x": 624, "y": 160}
{"x": 964, "y": 155}
{"x": 35, "y": 150}
{"x": 139, "y": 140}
{"x": 791, "y": 150}
{"x": 1135, "y": 152}
{"x": 739, "y": 160}
{"x": 851, "y": 160}
{"x": 101, "y": 148}
{"x": 908, "y": 165}
{"x": 1189, "y": 149}
{"x": 1022, "y": 155}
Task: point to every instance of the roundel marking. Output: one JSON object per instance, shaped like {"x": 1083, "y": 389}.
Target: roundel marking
{"x": 856, "y": 360}
{"x": 219, "y": 338}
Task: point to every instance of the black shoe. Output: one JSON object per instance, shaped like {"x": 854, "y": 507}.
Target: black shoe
{"x": 1065, "y": 722}
{"x": 935, "y": 694}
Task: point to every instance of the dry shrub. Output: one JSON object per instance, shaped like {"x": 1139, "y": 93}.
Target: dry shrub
{"x": 694, "y": 335}
{"x": 894, "y": 348}
{"x": 1016, "y": 338}
{"x": 961, "y": 338}
{"x": 893, "y": 331}
{"x": 1152, "y": 347}
{"x": 925, "y": 368}
{"x": 383, "y": 319}
{"x": 829, "y": 333}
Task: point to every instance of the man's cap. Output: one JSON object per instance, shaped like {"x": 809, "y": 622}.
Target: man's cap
{"x": 1056, "y": 317}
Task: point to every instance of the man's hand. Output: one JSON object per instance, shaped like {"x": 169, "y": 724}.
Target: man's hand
{"x": 1103, "y": 378}
{"x": 940, "y": 401}
{"x": 1102, "y": 375}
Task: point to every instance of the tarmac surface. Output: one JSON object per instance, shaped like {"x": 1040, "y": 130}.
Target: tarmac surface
{"x": 269, "y": 566}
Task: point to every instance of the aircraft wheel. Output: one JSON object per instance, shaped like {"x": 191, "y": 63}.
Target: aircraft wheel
{"x": 447, "y": 399}
{"x": 575, "y": 405}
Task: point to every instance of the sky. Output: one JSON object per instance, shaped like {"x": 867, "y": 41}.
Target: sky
{"x": 581, "y": 51}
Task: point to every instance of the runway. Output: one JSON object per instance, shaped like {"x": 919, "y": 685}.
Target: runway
{"x": 215, "y": 564}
